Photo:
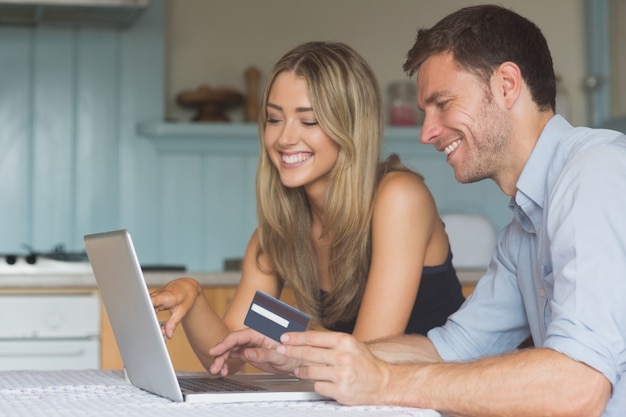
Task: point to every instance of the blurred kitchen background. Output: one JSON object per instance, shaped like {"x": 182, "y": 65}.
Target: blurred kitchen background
{"x": 93, "y": 137}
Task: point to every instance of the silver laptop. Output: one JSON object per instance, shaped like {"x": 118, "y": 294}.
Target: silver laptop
{"x": 142, "y": 346}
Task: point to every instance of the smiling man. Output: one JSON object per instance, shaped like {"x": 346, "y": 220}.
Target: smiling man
{"x": 558, "y": 274}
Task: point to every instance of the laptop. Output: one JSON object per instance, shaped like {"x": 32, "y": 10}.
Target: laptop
{"x": 142, "y": 346}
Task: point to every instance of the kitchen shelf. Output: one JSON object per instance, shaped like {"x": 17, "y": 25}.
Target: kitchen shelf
{"x": 201, "y": 137}
{"x": 238, "y": 137}
{"x": 198, "y": 130}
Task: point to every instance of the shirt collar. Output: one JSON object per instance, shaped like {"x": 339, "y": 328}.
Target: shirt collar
{"x": 527, "y": 205}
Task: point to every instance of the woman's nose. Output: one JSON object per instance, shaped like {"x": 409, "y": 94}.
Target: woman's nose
{"x": 288, "y": 135}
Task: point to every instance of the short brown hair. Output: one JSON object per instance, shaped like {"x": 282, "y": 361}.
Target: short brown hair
{"x": 483, "y": 37}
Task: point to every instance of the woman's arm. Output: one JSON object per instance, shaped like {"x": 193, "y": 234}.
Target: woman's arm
{"x": 407, "y": 234}
{"x": 187, "y": 304}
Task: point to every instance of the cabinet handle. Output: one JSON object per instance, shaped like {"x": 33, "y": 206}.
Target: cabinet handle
{"x": 43, "y": 353}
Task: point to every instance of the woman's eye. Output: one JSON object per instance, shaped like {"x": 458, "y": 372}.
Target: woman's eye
{"x": 310, "y": 124}
{"x": 272, "y": 120}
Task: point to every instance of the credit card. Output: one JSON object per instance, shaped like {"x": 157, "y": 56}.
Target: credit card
{"x": 272, "y": 317}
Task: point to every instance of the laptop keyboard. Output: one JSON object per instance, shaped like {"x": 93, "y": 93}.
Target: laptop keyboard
{"x": 216, "y": 385}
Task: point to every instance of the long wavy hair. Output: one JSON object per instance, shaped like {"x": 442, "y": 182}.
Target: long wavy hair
{"x": 345, "y": 96}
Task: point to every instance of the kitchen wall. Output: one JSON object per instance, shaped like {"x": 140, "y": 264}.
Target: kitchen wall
{"x": 71, "y": 161}
{"x": 214, "y": 41}
{"x": 83, "y": 146}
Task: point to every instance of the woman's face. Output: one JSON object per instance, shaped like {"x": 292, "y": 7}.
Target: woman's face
{"x": 301, "y": 151}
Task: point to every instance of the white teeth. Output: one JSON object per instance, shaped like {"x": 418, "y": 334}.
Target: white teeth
{"x": 448, "y": 150}
{"x": 295, "y": 158}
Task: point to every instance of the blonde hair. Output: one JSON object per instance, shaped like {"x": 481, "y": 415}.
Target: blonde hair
{"x": 346, "y": 99}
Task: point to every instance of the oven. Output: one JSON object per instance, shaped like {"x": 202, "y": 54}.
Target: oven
{"x": 44, "y": 327}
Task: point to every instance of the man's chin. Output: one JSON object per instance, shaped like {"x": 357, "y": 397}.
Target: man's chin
{"x": 463, "y": 178}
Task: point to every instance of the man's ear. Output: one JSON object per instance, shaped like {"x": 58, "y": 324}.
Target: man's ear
{"x": 508, "y": 82}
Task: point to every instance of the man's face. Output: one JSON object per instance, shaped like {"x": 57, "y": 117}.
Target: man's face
{"x": 463, "y": 120}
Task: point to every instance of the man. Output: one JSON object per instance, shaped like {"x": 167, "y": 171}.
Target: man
{"x": 486, "y": 84}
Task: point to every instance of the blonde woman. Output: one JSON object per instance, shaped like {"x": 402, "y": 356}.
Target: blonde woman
{"x": 359, "y": 241}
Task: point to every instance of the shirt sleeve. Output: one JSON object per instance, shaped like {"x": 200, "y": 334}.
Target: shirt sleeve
{"x": 492, "y": 320}
{"x": 587, "y": 232}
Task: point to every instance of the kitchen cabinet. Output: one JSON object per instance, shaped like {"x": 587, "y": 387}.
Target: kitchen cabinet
{"x": 49, "y": 329}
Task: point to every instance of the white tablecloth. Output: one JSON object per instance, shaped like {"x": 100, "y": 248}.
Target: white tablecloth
{"x": 101, "y": 393}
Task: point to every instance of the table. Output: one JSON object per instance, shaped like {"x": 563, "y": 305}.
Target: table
{"x": 104, "y": 393}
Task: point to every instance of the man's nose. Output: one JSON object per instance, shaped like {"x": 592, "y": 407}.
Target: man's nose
{"x": 431, "y": 128}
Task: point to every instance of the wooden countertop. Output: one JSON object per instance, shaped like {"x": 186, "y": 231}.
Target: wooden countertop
{"x": 87, "y": 280}
{"x": 153, "y": 279}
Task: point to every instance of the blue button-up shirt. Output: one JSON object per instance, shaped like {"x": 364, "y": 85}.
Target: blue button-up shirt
{"x": 558, "y": 272}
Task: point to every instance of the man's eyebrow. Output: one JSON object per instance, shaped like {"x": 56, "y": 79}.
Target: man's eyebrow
{"x": 436, "y": 96}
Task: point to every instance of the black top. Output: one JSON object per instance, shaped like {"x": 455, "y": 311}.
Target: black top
{"x": 439, "y": 295}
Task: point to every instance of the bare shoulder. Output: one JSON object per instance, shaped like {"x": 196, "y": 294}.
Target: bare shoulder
{"x": 402, "y": 196}
{"x": 405, "y": 185}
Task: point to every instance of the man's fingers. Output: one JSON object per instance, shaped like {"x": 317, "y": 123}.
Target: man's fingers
{"x": 315, "y": 372}
{"x": 261, "y": 355}
{"x": 218, "y": 365}
{"x": 317, "y": 338}
{"x": 229, "y": 342}
{"x": 306, "y": 354}
{"x": 317, "y": 347}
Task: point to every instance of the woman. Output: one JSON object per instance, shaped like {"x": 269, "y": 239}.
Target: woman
{"x": 359, "y": 242}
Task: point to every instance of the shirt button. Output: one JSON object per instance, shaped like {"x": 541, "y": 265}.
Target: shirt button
{"x": 542, "y": 293}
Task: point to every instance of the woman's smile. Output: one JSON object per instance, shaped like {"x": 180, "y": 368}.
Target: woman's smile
{"x": 292, "y": 159}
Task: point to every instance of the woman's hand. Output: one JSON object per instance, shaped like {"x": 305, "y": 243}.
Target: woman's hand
{"x": 178, "y": 297}
{"x": 250, "y": 346}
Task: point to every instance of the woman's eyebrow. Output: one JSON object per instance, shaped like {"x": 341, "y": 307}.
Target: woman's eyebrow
{"x": 298, "y": 109}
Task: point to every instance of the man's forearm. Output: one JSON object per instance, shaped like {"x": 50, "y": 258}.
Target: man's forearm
{"x": 530, "y": 382}
{"x": 404, "y": 348}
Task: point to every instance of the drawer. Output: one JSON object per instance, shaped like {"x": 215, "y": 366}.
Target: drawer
{"x": 49, "y": 316}
{"x": 49, "y": 355}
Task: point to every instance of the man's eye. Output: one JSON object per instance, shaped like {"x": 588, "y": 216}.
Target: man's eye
{"x": 442, "y": 104}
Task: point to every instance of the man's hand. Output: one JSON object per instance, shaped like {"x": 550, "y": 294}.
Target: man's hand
{"x": 343, "y": 367}
{"x": 253, "y": 347}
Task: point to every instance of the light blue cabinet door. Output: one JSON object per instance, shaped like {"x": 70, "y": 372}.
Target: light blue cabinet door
{"x": 207, "y": 207}
{"x": 70, "y": 102}
{"x": 15, "y": 138}
{"x": 53, "y": 141}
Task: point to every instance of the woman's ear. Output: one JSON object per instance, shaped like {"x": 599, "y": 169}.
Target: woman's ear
{"x": 508, "y": 83}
